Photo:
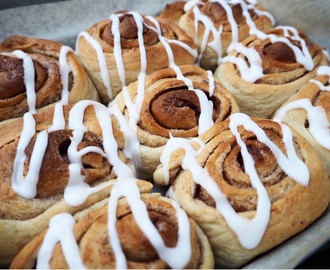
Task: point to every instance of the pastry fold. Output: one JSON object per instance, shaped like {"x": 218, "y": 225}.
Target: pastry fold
{"x": 115, "y": 51}
{"x": 54, "y": 75}
{"x": 267, "y": 69}
{"x": 173, "y": 103}
{"x": 52, "y": 162}
{"x": 216, "y": 25}
{"x": 246, "y": 186}
{"x": 93, "y": 239}
{"x": 308, "y": 112}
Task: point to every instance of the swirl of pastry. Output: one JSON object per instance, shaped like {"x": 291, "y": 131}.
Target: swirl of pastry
{"x": 308, "y": 112}
{"x": 256, "y": 181}
{"x": 116, "y": 51}
{"x": 51, "y": 162}
{"x": 182, "y": 102}
{"x": 268, "y": 68}
{"x": 217, "y": 25}
{"x": 35, "y": 73}
{"x": 93, "y": 239}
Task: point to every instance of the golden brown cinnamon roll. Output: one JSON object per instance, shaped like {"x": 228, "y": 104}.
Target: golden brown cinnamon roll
{"x": 57, "y": 160}
{"x": 117, "y": 50}
{"x": 251, "y": 181}
{"x": 179, "y": 102}
{"x": 308, "y": 112}
{"x": 267, "y": 69}
{"x": 216, "y": 25}
{"x": 93, "y": 239}
{"x": 35, "y": 73}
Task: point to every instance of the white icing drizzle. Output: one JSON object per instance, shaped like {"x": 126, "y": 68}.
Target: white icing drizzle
{"x": 131, "y": 140}
{"x": 231, "y": 20}
{"x": 259, "y": 12}
{"x": 320, "y": 85}
{"x": 172, "y": 145}
{"x": 132, "y": 144}
{"x": 250, "y": 70}
{"x": 140, "y": 213}
{"x": 28, "y": 77}
{"x": 249, "y": 231}
{"x": 216, "y": 44}
{"x": 60, "y": 230}
{"x": 291, "y": 165}
{"x": 319, "y": 126}
{"x": 322, "y": 70}
{"x": 77, "y": 191}
{"x": 26, "y": 186}
{"x": 190, "y": 50}
{"x": 303, "y": 56}
{"x": 65, "y": 69}
{"x": 58, "y": 119}
{"x": 211, "y": 83}
{"x": 100, "y": 57}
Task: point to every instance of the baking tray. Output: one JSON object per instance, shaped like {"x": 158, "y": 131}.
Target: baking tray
{"x": 62, "y": 21}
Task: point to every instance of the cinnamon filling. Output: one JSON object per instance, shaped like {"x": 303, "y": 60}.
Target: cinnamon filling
{"x": 279, "y": 51}
{"x": 264, "y": 161}
{"x": 236, "y": 183}
{"x": 128, "y": 30}
{"x": 179, "y": 109}
{"x": 136, "y": 245}
{"x": 12, "y": 76}
{"x": 54, "y": 179}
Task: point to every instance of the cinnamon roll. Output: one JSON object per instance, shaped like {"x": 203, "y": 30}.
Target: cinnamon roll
{"x": 216, "y": 26}
{"x": 35, "y": 73}
{"x": 61, "y": 159}
{"x": 180, "y": 101}
{"x": 170, "y": 233}
{"x": 251, "y": 179}
{"x": 308, "y": 112}
{"x": 268, "y": 68}
{"x": 116, "y": 51}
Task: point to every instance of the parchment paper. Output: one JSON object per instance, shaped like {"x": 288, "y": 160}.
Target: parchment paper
{"x": 62, "y": 21}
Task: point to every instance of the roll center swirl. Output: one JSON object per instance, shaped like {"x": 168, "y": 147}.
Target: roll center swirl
{"x": 178, "y": 109}
{"x": 128, "y": 31}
